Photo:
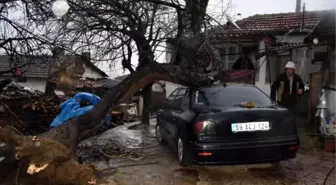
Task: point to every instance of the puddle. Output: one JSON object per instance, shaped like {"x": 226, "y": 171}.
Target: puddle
{"x": 185, "y": 176}
{"x": 245, "y": 174}
{"x": 272, "y": 171}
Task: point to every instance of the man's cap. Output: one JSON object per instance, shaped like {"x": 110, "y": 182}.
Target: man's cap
{"x": 290, "y": 65}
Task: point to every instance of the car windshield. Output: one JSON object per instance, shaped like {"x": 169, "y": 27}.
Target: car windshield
{"x": 230, "y": 96}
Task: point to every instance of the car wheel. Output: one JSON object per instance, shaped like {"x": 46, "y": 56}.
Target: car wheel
{"x": 184, "y": 154}
{"x": 158, "y": 135}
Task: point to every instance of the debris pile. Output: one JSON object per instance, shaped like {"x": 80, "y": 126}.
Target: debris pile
{"x": 15, "y": 91}
{"x": 29, "y": 111}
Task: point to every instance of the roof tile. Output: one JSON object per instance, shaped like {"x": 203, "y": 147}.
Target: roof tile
{"x": 280, "y": 22}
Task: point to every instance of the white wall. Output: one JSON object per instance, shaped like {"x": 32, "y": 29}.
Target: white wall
{"x": 261, "y": 83}
{"x": 302, "y": 58}
{"x": 90, "y": 73}
{"x": 304, "y": 65}
{"x": 33, "y": 83}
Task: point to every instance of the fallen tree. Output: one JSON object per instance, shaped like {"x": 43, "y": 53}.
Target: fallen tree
{"x": 57, "y": 147}
{"x": 74, "y": 131}
{"x": 139, "y": 27}
{"x": 50, "y": 160}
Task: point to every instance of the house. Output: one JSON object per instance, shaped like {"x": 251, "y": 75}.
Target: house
{"x": 37, "y": 69}
{"x": 159, "y": 93}
{"x": 271, "y": 40}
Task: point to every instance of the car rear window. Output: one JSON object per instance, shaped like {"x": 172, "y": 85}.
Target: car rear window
{"x": 231, "y": 96}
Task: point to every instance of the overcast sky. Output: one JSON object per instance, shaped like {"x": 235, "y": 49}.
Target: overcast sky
{"x": 246, "y": 8}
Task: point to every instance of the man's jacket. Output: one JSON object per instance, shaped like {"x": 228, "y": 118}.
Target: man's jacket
{"x": 280, "y": 88}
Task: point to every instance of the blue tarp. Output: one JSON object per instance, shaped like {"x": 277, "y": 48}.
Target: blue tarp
{"x": 71, "y": 108}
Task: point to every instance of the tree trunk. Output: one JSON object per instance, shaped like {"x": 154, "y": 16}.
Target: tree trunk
{"x": 74, "y": 131}
{"x": 147, "y": 101}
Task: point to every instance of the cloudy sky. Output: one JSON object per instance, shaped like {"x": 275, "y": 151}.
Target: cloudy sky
{"x": 245, "y": 8}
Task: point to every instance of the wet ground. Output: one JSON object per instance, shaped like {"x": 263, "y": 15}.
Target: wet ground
{"x": 129, "y": 155}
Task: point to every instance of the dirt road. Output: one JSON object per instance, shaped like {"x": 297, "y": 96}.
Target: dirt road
{"x": 309, "y": 168}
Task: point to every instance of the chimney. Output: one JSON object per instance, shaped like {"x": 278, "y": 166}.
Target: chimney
{"x": 298, "y": 6}
{"x": 86, "y": 56}
{"x": 57, "y": 52}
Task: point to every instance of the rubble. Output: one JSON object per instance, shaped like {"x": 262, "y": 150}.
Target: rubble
{"x": 16, "y": 91}
{"x": 29, "y": 111}
{"x": 131, "y": 144}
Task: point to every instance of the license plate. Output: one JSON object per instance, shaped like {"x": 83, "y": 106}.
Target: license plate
{"x": 250, "y": 126}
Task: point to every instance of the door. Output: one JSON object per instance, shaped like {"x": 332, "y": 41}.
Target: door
{"x": 171, "y": 114}
{"x": 175, "y": 111}
{"x": 164, "y": 115}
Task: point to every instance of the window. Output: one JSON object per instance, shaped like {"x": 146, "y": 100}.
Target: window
{"x": 276, "y": 64}
{"x": 230, "y": 96}
{"x": 320, "y": 54}
{"x": 181, "y": 92}
{"x": 228, "y": 55}
{"x": 173, "y": 95}
{"x": 179, "y": 96}
{"x": 175, "y": 100}
{"x": 232, "y": 52}
{"x": 222, "y": 54}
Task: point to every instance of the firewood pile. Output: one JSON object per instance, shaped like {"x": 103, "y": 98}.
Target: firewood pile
{"x": 45, "y": 104}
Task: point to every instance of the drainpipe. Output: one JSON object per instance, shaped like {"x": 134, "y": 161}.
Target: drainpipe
{"x": 303, "y": 16}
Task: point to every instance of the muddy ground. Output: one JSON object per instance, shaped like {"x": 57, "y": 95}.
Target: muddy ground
{"x": 141, "y": 161}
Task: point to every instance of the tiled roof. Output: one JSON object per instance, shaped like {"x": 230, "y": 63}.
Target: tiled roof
{"x": 279, "y": 22}
{"x": 42, "y": 66}
{"x": 122, "y": 77}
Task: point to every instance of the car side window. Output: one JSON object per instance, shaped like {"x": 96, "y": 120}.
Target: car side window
{"x": 170, "y": 100}
{"x": 177, "y": 103}
{"x": 172, "y": 95}
{"x": 186, "y": 100}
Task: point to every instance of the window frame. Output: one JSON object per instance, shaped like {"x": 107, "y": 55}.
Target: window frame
{"x": 277, "y": 66}
{"x": 170, "y": 102}
{"x": 193, "y": 99}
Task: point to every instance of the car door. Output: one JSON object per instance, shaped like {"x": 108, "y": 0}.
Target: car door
{"x": 181, "y": 115}
{"x": 164, "y": 115}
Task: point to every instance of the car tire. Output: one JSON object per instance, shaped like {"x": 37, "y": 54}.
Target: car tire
{"x": 158, "y": 135}
{"x": 184, "y": 152}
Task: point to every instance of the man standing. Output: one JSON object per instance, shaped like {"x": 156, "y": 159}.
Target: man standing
{"x": 287, "y": 87}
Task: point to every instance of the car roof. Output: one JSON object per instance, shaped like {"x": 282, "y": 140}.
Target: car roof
{"x": 232, "y": 84}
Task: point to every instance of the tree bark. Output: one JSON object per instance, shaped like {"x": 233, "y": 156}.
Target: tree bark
{"x": 147, "y": 101}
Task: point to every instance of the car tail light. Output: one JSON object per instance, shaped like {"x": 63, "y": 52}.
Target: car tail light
{"x": 205, "y": 154}
{"x": 205, "y": 128}
{"x": 293, "y": 148}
